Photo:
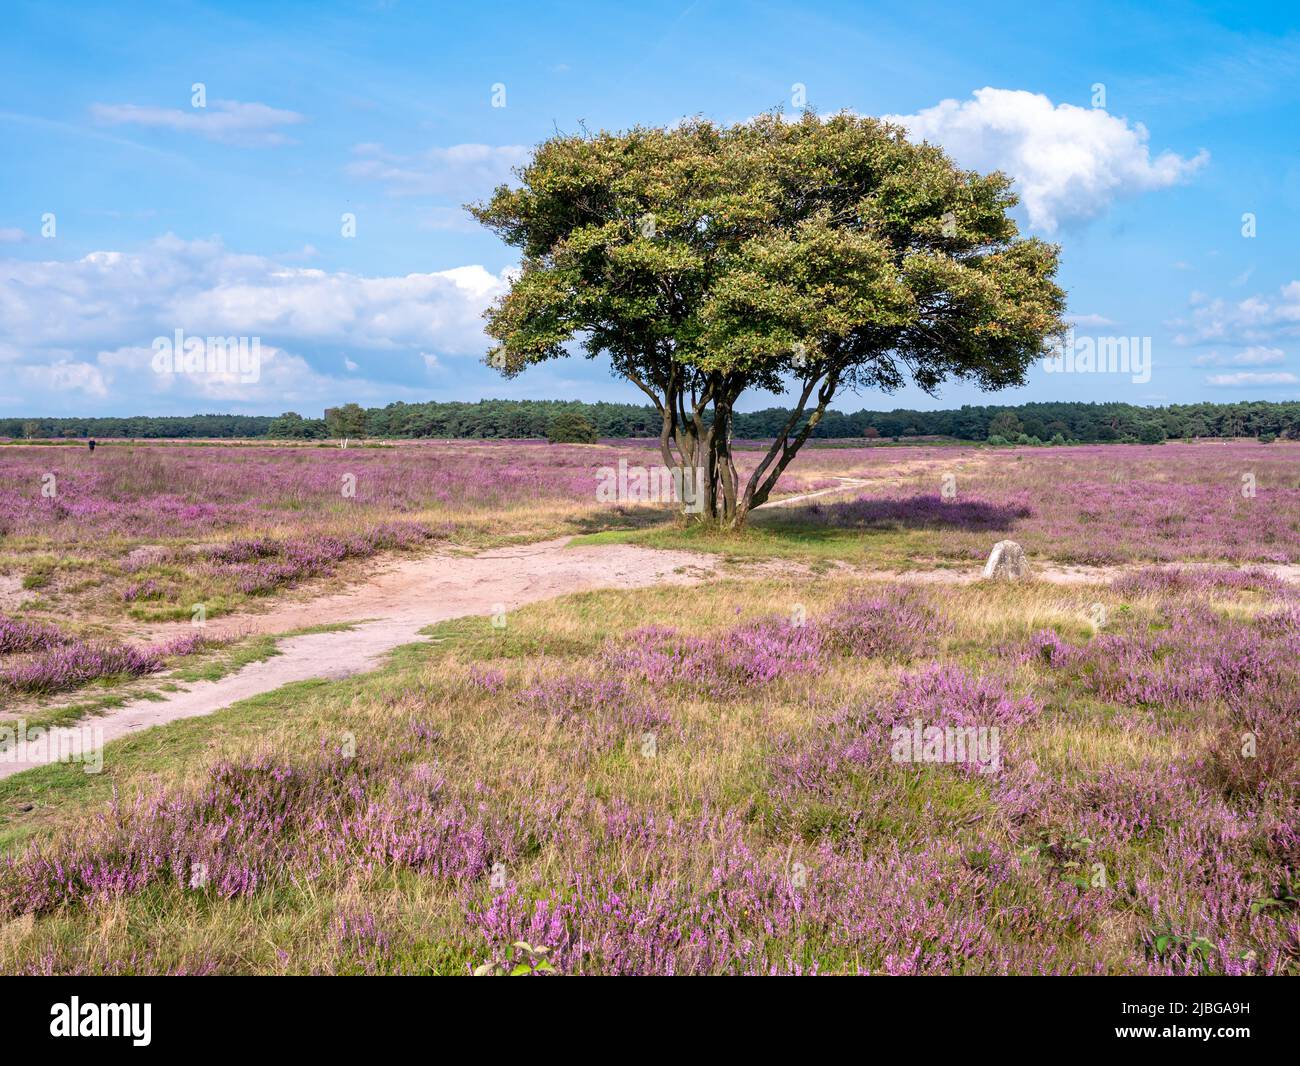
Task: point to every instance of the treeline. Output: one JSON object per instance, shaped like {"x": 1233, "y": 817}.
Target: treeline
{"x": 487, "y": 419}
{"x": 1087, "y": 422}
{"x": 223, "y": 426}
{"x": 1045, "y": 422}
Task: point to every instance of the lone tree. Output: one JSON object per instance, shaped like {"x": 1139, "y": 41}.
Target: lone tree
{"x": 345, "y": 423}
{"x": 571, "y": 427}
{"x": 706, "y": 260}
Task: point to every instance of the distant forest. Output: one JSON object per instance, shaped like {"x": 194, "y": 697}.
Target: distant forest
{"x": 488, "y": 419}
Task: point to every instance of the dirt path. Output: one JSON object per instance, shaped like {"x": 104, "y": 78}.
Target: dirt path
{"x": 391, "y": 607}
{"x": 790, "y": 501}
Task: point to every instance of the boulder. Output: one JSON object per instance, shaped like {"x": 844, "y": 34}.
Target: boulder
{"x": 1007, "y": 562}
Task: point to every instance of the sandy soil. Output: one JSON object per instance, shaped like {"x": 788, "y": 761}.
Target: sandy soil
{"x": 790, "y": 501}
{"x": 11, "y": 591}
{"x": 392, "y": 607}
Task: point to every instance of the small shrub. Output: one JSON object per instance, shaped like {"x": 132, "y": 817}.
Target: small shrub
{"x": 571, "y": 428}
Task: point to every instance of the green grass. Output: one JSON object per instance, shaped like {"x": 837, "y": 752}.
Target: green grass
{"x": 769, "y": 538}
{"x": 62, "y": 793}
{"x": 211, "y": 664}
{"x": 484, "y": 741}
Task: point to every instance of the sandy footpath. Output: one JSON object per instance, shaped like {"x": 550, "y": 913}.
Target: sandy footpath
{"x": 397, "y": 603}
{"x": 391, "y": 606}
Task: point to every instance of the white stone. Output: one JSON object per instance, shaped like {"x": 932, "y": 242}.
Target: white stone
{"x": 1007, "y": 562}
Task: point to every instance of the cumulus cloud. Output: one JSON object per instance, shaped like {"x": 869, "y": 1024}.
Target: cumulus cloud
{"x": 1069, "y": 163}
{"x": 203, "y": 287}
{"x": 1255, "y": 356}
{"x": 226, "y": 121}
{"x": 1254, "y": 320}
{"x": 1246, "y": 378}
{"x": 86, "y": 327}
{"x": 65, "y": 376}
{"x": 460, "y": 170}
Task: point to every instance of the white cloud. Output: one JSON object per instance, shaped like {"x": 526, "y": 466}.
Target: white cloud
{"x": 1089, "y": 320}
{"x": 1254, "y": 320}
{"x": 431, "y": 362}
{"x": 460, "y": 170}
{"x": 1069, "y": 163}
{"x": 1255, "y": 356}
{"x": 12, "y": 235}
{"x": 111, "y": 298}
{"x": 226, "y": 121}
{"x": 1247, "y": 378}
{"x": 86, "y": 327}
{"x": 64, "y": 376}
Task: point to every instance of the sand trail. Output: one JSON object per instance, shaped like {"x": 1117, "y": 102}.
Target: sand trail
{"x": 390, "y": 609}
{"x": 391, "y": 606}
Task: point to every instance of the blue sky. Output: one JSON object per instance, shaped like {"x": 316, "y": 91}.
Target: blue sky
{"x": 226, "y": 219}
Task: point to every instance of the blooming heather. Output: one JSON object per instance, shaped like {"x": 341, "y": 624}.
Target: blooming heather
{"x": 76, "y": 662}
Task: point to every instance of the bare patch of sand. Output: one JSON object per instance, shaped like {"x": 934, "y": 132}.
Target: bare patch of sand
{"x": 391, "y": 609}
{"x": 11, "y": 591}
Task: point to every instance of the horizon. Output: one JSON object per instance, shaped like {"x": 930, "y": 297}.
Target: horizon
{"x": 833, "y": 409}
{"x": 909, "y": 585}
{"x": 150, "y": 192}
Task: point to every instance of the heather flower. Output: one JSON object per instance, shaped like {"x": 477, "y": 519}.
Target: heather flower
{"x": 727, "y": 664}
{"x": 892, "y": 624}
{"x": 77, "y": 663}
{"x": 20, "y": 636}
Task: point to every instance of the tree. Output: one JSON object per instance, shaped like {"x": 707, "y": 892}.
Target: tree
{"x": 346, "y": 422}
{"x": 31, "y": 429}
{"x": 1151, "y": 433}
{"x": 570, "y": 427}
{"x": 292, "y": 426}
{"x": 1005, "y": 424}
{"x": 708, "y": 260}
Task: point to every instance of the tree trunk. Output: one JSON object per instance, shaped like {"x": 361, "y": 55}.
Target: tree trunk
{"x": 784, "y": 447}
{"x": 703, "y": 444}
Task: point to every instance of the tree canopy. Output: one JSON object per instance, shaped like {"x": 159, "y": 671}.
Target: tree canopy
{"x": 499, "y": 419}
{"x": 708, "y": 260}
{"x": 346, "y": 422}
{"x": 571, "y": 427}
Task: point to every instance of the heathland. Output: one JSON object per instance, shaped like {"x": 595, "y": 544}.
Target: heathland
{"x": 706, "y": 777}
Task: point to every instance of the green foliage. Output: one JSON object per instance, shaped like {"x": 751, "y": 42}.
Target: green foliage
{"x": 347, "y": 422}
{"x": 531, "y": 960}
{"x": 571, "y": 427}
{"x": 292, "y": 426}
{"x": 493, "y": 419}
{"x": 706, "y": 261}
{"x": 1151, "y": 433}
{"x": 222, "y": 427}
{"x": 1005, "y": 424}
